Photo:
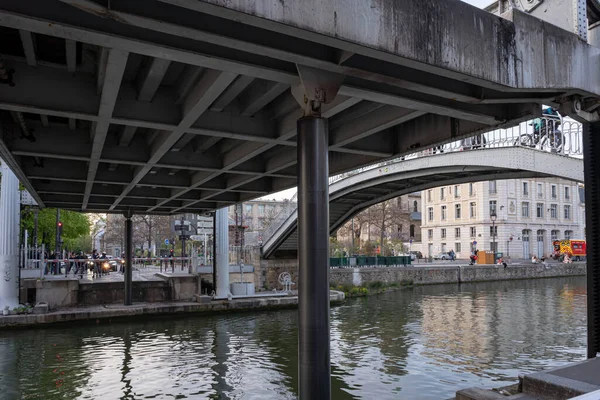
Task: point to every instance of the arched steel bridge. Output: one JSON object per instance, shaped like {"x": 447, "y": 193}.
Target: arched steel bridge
{"x": 503, "y": 157}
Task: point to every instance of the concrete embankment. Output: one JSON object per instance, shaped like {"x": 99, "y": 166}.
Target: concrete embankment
{"x": 451, "y": 274}
{"x": 119, "y": 311}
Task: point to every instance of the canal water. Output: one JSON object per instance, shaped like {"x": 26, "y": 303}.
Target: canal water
{"x": 420, "y": 343}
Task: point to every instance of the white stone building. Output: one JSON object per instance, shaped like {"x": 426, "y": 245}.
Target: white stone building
{"x": 531, "y": 213}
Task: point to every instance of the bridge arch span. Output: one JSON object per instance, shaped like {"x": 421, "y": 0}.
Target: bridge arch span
{"x": 351, "y": 195}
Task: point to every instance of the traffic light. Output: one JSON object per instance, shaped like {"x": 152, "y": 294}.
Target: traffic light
{"x": 60, "y": 226}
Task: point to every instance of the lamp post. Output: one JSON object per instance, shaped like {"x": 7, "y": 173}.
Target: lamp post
{"x": 493, "y": 217}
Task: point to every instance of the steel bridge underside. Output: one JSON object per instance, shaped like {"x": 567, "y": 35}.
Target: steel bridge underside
{"x": 352, "y": 195}
{"x": 178, "y": 106}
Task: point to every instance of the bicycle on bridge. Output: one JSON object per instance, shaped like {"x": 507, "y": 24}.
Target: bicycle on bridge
{"x": 546, "y": 132}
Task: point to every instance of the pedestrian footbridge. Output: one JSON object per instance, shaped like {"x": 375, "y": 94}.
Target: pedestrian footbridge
{"x": 500, "y": 154}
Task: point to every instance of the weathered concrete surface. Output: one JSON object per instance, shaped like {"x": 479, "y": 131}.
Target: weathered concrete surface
{"x": 564, "y": 382}
{"x": 58, "y": 293}
{"x": 449, "y": 37}
{"x": 559, "y": 383}
{"x": 182, "y": 286}
{"x": 112, "y": 292}
{"x": 141, "y": 309}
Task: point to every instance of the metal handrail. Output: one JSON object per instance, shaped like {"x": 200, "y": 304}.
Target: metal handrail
{"x": 555, "y": 135}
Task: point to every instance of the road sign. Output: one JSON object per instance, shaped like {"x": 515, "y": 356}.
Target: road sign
{"x": 167, "y": 242}
{"x": 474, "y": 242}
{"x": 197, "y": 238}
{"x": 410, "y": 241}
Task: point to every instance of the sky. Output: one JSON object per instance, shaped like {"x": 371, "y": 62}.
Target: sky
{"x": 286, "y": 194}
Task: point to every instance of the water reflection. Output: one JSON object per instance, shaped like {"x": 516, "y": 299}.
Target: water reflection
{"x": 422, "y": 343}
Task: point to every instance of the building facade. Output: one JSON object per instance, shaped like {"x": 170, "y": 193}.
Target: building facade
{"x": 530, "y": 215}
{"x": 256, "y": 215}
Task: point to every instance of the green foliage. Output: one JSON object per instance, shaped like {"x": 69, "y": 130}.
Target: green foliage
{"x": 358, "y": 291}
{"x": 81, "y": 243}
{"x": 75, "y": 226}
{"x": 371, "y": 288}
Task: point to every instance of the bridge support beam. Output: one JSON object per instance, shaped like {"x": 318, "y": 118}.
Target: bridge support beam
{"x": 128, "y": 278}
{"x": 222, "y": 254}
{"x": 591, "y": 162}
{"x": 9, "y": 238}
{"x": 313, "y": 259}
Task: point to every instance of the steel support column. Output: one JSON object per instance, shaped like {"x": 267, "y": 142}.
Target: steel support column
{"x": 313, "y": 259}
{"x": 9, "y": 238}
{"x": 128, "y": 260}
{"x": 591, "y": 147}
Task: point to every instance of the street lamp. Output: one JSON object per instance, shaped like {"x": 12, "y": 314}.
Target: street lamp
{"x": 493, "y": 217}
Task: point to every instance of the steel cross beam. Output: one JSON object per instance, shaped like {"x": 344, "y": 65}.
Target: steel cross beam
{"x": 115, "y": 67}
{"x": 207, "y": 90}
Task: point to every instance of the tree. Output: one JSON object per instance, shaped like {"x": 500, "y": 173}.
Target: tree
{"x": 152, "y": 224}
{"x": 75, "y": 226}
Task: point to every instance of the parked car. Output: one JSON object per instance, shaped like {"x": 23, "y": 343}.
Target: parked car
{"x": 442, "y": 256}
{"x": 417, "y": 254}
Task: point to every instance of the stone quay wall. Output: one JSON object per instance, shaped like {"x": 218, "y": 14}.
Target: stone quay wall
{"x": 266, "y": 275}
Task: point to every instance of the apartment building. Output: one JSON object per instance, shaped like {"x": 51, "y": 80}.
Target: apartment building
{"x": 530, "y": 215}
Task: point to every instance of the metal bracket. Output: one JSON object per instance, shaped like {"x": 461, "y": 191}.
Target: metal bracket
{"x": 317, "y": 87}
{"x": 574, "y": 108}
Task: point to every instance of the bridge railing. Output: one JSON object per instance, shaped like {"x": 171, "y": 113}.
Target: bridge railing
{"x": 557, "y": 135}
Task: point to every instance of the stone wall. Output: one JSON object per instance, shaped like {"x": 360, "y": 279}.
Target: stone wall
{"x": 433, "y": 275}
{"x": 266, "y": 275}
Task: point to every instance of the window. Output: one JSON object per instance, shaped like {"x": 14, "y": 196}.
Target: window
{"x": 494, "y": 230}
{"x": 567, "y": 212}
{"x": 553, "y": 211}
{"x": 457, "y": 232}
{"x": 456, "y": 191}
{"x": 540, "y": 235}
{"x": 412, "y": 231}
{"x": 525, "y": 189}
{"x": 457, "y": 247}
{"x": 443, "y": 233}
{"x": 554, "y": 235}
{"x": 442, "y": 193}
{"x": 473, "y": 210}
{"x": 540, "y": 190}
{"x": 553, "y": 191}
{"x": 471, "y": 191}
{"x": 430, "y": 234}
{"x": 493, "y": 207}
{"x": 429, "y": 195}
{"x": 568, "y": 235}
{"x": 567, "y": 193}
{"x": 430, "y": 212}
{"x": 540, "y": 210}
{"x": 473, "y": 232}
{"x": 261, "y": 209}
{"x": 415, "y": 206}
{"x": 493, "y": 187}
{"x": 248, "y": 208}
{"x": 525, "y": 209}
{"x": 457, "y": 211}
{"x": 443, "y": 213}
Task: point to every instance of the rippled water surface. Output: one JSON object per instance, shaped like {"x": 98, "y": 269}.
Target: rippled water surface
{"x": 421, "y": 343}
